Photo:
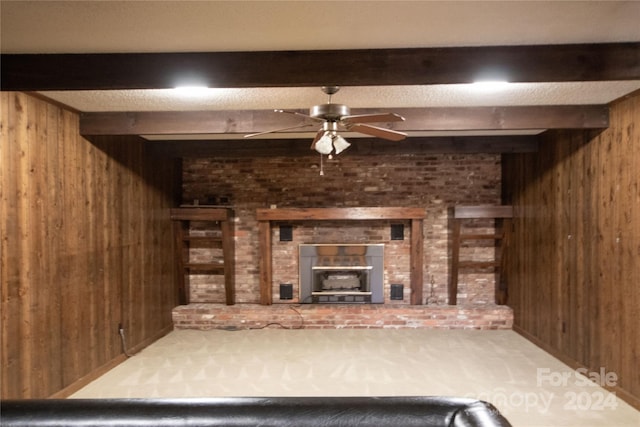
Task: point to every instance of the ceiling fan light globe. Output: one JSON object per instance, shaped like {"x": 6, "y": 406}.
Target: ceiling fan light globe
{"x": 340, "y": 144}
{"x": 324, "y": 145}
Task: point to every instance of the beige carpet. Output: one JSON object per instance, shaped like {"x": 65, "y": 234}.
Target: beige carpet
{"x": 524, "y": 382}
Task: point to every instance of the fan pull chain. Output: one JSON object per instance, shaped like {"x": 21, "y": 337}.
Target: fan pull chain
{"x": 321, "y": 166}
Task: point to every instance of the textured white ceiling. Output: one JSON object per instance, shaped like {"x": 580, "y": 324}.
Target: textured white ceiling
{"x": 459, "y": 95}
{"x": 173, "y": 26}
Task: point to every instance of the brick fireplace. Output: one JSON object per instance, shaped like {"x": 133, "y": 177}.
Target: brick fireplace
{"x": 434, "y": 182}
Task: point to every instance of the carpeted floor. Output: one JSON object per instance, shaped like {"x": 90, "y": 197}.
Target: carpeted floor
{"x": 530, "y": 387}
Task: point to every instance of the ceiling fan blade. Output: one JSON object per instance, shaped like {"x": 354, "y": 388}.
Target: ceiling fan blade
{"x": 383, "y": 133}
{"x": 372, "y": 118}
{"x": 297, "y": 113}
{"x": 317, "y": 137}
{"x": 278, "y": 130}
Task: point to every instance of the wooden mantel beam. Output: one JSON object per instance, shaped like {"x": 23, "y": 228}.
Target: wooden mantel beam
{"x": 417, "y": 120}
{"x": 359, "y": 67}
{"x": 344, "y": 214}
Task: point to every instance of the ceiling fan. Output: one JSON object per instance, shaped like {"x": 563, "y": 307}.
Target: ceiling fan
{"x": 337, "y": 117}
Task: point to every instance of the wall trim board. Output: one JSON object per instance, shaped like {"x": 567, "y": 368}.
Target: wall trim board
{"x": 85, "y": 380}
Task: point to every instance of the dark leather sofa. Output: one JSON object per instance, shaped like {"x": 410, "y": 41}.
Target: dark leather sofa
{"x": 252, "y": 412}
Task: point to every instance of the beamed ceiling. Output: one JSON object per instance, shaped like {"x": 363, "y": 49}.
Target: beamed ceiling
{"x": 117, "y": 62}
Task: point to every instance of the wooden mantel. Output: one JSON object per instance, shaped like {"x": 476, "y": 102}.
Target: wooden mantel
{"x": 415, "y": 215}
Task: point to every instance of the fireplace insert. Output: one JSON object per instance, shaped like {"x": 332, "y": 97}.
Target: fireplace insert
{"x": 341, "y": 273}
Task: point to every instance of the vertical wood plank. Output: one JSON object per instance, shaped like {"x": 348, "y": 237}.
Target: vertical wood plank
{"x": 55, "y": 220}
{"x": 9, "y": 267}
{"x": 41, "y": 277}
{"x": 229, "y": 260}
{"x": 136, "y": 281}
{"x": 579, "y": 300}
{"x": 416, "y": 261}
{"x": 115, "y": 259}
{"x": 70, "y": 296}
{"x": 266, "y": 275}
{"x": 12, "y": 149}
{"x": 549, "y": 256}
{"x": 25, "y": 136}
{"x": 178, "y": 232}
{"x": 608, "y": 214}
{"x": 455, "y": 257}
{"x": 502, "y": 288}
{"x": 564, "y": 250}
{"x": 100, "y": 312}
{"x": 91, "y": 256}
{"x": 591, "y": 316}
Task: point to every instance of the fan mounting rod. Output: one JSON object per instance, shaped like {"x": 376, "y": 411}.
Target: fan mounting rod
{"x": 330, "y": 90}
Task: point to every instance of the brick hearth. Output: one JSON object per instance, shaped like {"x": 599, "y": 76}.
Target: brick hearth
{"x": 327, "y": 316}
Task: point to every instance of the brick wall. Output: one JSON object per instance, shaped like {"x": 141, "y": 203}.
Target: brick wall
{"x": 436, "y": 182}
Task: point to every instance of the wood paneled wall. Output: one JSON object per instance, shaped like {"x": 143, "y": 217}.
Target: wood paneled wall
{"x": 86, "y": 246}
{"x": 574, "y": 277}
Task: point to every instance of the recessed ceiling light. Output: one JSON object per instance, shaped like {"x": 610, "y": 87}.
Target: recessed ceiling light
{"x": 191, "y": 90}
{"x": 490, "y": 85}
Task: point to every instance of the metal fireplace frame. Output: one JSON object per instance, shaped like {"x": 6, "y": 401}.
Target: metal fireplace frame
{"x": 368, "y": 267}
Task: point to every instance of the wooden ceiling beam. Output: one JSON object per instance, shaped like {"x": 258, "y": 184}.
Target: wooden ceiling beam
{"x": 417, "y": 120}
{"x": 359, "y": 146}
{"x": 361, "y": 67}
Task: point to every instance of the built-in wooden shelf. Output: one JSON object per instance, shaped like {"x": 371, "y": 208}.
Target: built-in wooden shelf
{"x": 202, "y": 239}
{"x": 415, "y": 215}
{"x": 478, "y": 264}
{"x": 204, "y": 266}
{"x": 481, "y": 236}
{"x": 219, "y": 220}
{"x": 502, "y": 215}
